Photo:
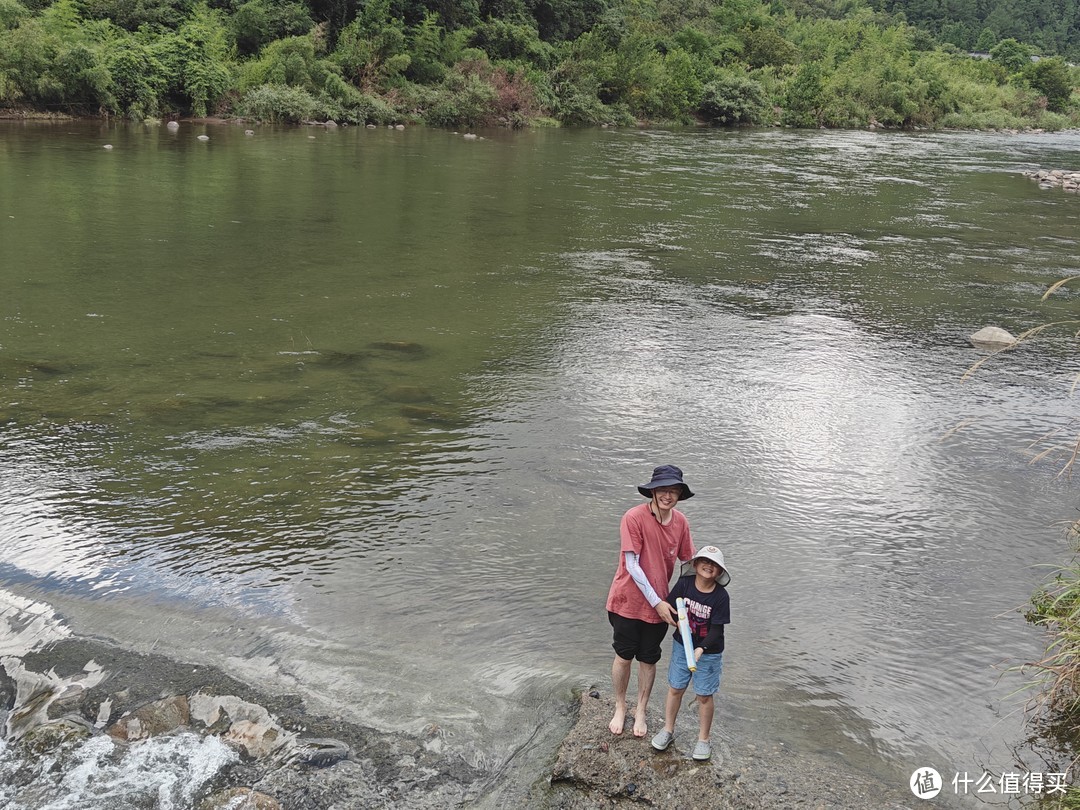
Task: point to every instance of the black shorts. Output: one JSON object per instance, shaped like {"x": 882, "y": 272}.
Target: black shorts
{"x": 637, "y": 639}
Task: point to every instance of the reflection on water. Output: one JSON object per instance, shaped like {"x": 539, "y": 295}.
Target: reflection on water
{"x": 365, "y": 410}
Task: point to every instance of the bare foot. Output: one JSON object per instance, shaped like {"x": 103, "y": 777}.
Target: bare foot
{"x": 618, "y": 720}
{"x": 641, "y": 728}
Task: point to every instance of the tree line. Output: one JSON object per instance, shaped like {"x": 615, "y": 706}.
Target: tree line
{"x": 515, "y": 63}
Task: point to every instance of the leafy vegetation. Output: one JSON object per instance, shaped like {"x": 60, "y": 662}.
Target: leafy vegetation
{"x": 472, "y": 63}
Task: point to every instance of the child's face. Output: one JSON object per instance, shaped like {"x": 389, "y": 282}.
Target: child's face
{"x": 707, "y": 569}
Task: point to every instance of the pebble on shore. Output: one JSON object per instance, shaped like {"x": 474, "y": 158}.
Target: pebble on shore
{"x": 1056, "y": 178}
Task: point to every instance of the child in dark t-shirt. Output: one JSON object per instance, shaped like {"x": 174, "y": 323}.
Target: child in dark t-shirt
{"x": 707, "y": 608}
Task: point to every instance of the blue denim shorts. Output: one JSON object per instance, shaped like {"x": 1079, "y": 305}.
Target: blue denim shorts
{"x": 706, "y": 678}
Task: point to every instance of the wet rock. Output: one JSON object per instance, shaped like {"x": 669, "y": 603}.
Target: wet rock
{"x": 432, "y": 416}
{"x": 593, "y": 766}
{"x": 239, "y": 798}
{"x": 336, "y": 359}
{"x": 992, "y": 337}
{"x": 14, "y": 367}
{"x": 364, "y": 436}
{"x": 320, "y": 752}
{"x": 54, "y": 737}
{"x": 246, "y": 725}
{"x": 1056, "y": 178}
{"x": 156, "y": 718}
{"x": 257, "y": 740}
{"x": 35, "y": 693}
{"x": 740, "y": 776}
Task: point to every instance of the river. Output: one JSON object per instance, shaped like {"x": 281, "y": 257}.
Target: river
{"x": 354, "y": 413}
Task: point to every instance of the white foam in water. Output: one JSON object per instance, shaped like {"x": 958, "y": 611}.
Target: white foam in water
{"x": 26, "y": 625}
{"x": 163, "y": 772}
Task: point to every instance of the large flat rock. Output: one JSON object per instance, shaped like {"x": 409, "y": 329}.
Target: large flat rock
{"x": 594, "y": 769}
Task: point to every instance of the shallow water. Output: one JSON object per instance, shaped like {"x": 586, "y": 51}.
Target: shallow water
{"x": 356, "y": 415}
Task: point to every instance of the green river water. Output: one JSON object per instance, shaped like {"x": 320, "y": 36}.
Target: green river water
{"x": 355, "y": 413}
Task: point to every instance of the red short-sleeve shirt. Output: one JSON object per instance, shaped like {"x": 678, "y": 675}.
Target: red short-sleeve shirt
{"x": 657, "y": 547}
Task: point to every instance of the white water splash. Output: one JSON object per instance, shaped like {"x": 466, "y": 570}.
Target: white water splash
{"x": 164, "y": 773}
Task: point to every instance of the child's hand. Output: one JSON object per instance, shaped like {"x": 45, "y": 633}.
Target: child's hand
{"x": 698, "y": 652}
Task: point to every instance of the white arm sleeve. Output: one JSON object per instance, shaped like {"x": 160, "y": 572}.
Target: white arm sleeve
{"x": 636, "y": 574}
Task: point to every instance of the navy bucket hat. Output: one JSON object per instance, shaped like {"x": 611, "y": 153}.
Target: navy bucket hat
{"x": 666, "y": 475}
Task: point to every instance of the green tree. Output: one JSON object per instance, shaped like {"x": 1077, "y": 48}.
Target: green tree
{"x": 204, "y": 58}
{"x": 1011, "y": 55}
{"x": 804, "y": 100}
{"x": 565, "y": 20}
{"x": 681, "y": 86}
{"x": 734, "y": 99}
{"x": 12, "y": 12}
{"x": 133, "y": 14}
{"x": 258, "y": 22}
{"x": 371, "y": 50}
{"x": 764, "y": 47}
{"x": 1051, "y": 78}
{"x": 426, "y": 64}
{"x": 987, "y": 40}
{"x": 138, "y": 78}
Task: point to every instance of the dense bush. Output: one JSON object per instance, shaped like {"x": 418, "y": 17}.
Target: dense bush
{"x": 278, "y": 103}
{"x": 734, "y": 99}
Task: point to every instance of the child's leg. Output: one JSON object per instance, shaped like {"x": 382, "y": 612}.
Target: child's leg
{"x": 671, "y": 707}
{"x": 706, "y": 706}
{"x": 707, "y": 681}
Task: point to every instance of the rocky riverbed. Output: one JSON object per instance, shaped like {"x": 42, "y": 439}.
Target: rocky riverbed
{"x": 1064, "y": 179}
{"x": 78, "y": 704}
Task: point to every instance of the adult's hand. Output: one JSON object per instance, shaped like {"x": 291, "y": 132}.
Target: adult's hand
{"x": 667, "y": 613}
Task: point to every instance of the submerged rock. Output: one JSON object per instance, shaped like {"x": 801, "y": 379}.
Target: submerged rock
{"x": 431, "y": 416}
{"x": 402, "y": 346}
{"x": 159, "y": 717}
{"x": 408, "y": 394}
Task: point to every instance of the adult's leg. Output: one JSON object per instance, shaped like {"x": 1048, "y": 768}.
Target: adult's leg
{"x": 620, "y": 680}
{"x": 652, "y": 636}
{"x": 646, "y": 674}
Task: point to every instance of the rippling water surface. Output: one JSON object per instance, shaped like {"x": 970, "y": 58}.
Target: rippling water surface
{"x": 357, "y": 415}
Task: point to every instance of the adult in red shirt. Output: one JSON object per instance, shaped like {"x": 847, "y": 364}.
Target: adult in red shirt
{"x": 653, "y": 535}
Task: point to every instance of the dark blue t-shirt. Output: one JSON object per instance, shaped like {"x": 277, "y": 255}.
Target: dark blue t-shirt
{"x": 707, "y": 613}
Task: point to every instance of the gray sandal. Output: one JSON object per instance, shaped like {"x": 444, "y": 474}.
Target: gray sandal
{"x": 662, "y": 740}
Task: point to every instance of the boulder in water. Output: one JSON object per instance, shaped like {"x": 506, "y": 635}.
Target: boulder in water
{"x": 992, "y": 337}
